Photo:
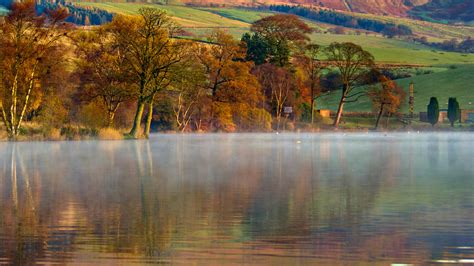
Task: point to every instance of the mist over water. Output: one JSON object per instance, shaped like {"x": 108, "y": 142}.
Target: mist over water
{"x": 240, "y": 198}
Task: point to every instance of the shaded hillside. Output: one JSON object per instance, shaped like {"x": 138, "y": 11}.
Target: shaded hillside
{"x": 454, "y": 10}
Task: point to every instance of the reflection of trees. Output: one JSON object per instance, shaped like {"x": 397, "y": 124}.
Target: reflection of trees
{"x": 187, "y": 196}
{"x": 20, "y": 220}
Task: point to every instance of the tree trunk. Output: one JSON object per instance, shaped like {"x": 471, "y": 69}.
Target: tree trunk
{"x": 278, "y": 115}
{"x": 137, "y": 119}
{"x": 339, "y": 112}
{"x": 110, "y": 122}
{"x": 149, "y": 119}
{"x": 378, "y": 117}
{"x": 150, "y": 116}
{"x": 341, "y": 107}
{"x": 112, "y": 111}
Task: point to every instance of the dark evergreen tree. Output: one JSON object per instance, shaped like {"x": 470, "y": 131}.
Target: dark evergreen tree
{"x": 258, "y": 49}
{"x": 454, "y": 113}
{"x": 433, "y": 111}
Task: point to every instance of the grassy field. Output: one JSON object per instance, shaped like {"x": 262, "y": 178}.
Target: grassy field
{"x": 458, "y": 82}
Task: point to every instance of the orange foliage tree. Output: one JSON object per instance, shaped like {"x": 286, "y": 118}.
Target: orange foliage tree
{"x": 386, "y": 98}
{"x": 229, "y": 80}
{"x": 100, "y": 71}
{"x": 27, "y": 43}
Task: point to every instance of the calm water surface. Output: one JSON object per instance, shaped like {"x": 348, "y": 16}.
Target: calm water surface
{"x": 256, "y": 199}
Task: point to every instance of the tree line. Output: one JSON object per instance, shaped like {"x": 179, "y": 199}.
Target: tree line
{"x": 453, "y": 10}
{"x": 76, "y": 14}
{"x": 453, "y": 45}
{"x": 133, "y": 72}
{"x": 345, "y": 20}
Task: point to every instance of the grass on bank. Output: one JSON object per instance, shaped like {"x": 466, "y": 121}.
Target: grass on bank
{"x": 32, "y": 131}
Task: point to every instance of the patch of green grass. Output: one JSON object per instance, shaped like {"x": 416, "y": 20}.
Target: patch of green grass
{"x": 397, "y": 51}
{"x": 432, "y": 30}
{"x": 244, "y": 15}
{"x": 458, "y": 82}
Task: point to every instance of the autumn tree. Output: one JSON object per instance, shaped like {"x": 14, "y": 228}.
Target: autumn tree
{"x": 187, "y": 91}
{"x": 101, "y": 72}
{"x": 221, "y": 60}
{"x": 386, "y": 98}
{"x": 310, "y": 66}
{"x": 353, "y": 63}
{"x": 149, "y": 55}
{"x": 26, "y": 42}
{"x": 277, "y": 36}
{"x": 278, "y": 85}
{"x": 229, "y": 78}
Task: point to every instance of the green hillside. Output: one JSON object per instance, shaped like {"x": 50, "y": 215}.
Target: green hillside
{"x": 457, "y": 82}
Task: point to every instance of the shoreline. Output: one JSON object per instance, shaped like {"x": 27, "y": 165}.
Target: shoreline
{"x": 24, "y": 139}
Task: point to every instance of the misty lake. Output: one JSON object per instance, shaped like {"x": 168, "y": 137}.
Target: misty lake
{"x": 240, "y": 198}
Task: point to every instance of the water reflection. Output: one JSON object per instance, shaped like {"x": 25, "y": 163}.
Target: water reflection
{"x": 239, "y": 198}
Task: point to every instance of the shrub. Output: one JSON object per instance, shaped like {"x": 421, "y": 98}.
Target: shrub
{"x": 249, "y": 118}
{"x": 77, "y": 133}
{"x": 223, "y": 117}
{"x": 54, "y": 134}
{"x": 93, "y": 115}
{"x": 110, "y": 134}
{"x": 53, "y": 114}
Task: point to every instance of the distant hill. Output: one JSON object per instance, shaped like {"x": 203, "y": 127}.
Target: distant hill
{"x": 452, "y": 10}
